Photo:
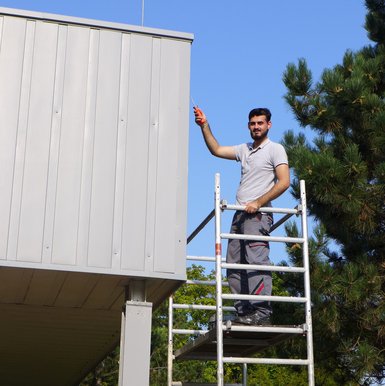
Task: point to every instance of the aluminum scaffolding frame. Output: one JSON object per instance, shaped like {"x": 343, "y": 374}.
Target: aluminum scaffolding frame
{"x": 270, "y": 334}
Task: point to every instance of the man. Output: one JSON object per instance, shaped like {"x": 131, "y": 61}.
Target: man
{"x": 265, "y": 176}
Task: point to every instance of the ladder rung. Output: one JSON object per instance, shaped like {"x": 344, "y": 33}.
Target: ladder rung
{"x": 202, "y": 384}
{"x": 279, "y": 239}
{"x": 266, "y": 361}
{"x": 189, "y": 332}
{"x": 200, "y": 307}
{"x": 285, "y": 330}
{"x": 285, "y": 299}
{"x": 274, "y": 268}
{"x": 203, "y": 258}
{"x": 263, "y": 209}
{"x": 205, "y": 282}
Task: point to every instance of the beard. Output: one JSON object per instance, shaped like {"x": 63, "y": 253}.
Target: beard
{"x": 259, "y": 136}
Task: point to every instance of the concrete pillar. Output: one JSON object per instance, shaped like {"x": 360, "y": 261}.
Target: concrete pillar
{"x": 135, "y": 340}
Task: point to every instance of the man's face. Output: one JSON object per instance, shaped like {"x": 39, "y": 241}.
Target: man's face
{"x": 259, "y": 127}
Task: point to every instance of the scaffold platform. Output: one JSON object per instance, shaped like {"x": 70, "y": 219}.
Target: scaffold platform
{"x": 235, "y": 343}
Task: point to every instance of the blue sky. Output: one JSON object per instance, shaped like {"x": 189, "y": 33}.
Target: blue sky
{"x": 240, "y": 51}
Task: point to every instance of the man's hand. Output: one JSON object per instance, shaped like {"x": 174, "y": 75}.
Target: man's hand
{"x": 200, "y": 117}
{"x": 252, "y": 207}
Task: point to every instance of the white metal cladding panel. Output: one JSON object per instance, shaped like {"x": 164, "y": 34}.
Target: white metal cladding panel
{"x": 34, "y": 140}
{"x": 171, "y": 157}
{"x": 67, "y": 145}
{"x": 136, "y": 167}
{"x": 12, "y": 36}
{"x": 104, "y": 151}
{"x": 93, "y": 146}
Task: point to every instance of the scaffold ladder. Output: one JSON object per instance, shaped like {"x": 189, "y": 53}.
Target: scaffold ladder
{"x": 223, "y": 327}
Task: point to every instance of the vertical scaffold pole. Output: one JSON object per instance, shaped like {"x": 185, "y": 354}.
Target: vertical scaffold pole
{"x": 170, "y": 341}
{"x": 218, "y": 269}
{"x": 305, "y": 254}
{"x": 244, "y": 374}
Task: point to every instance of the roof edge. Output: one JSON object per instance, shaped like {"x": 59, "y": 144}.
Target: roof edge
{"x": 49, "y": 17}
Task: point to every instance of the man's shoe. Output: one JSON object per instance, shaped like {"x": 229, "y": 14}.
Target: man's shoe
{"x": 253, "y": 319}
{"x": 225, "y": 318}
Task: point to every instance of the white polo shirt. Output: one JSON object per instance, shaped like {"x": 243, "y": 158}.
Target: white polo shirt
{"x": 258, "y": 169}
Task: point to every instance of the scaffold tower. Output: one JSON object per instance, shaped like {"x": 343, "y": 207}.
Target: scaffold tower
{"x": 226, "y": 342}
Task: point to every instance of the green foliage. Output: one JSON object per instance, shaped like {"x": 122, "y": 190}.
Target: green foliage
{"x": 106, "y": 373}
{"x": 344, "y": 170}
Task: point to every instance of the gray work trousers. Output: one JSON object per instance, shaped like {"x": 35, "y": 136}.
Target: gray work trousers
{"x": 250, "y": 252}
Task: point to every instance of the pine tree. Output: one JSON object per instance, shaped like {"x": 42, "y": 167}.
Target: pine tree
{"x": 344, "y": 169}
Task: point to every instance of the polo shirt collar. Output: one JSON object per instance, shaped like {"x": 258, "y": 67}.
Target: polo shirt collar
{"x": 264, "y": 143}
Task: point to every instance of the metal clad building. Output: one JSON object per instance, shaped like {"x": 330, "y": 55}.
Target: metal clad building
{"x": 93, "y": 164}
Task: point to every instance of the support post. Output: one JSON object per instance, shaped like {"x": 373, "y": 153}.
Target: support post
{"x": 135, "y": 338}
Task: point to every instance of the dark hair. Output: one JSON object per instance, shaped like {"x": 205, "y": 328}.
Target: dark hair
{"x": 260, "y": 111}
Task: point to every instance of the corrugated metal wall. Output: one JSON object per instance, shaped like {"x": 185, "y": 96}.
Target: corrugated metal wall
{"x": 93, "y": 147}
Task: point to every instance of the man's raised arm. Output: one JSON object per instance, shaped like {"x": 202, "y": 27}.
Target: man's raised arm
{"x": 211, "y": 143}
